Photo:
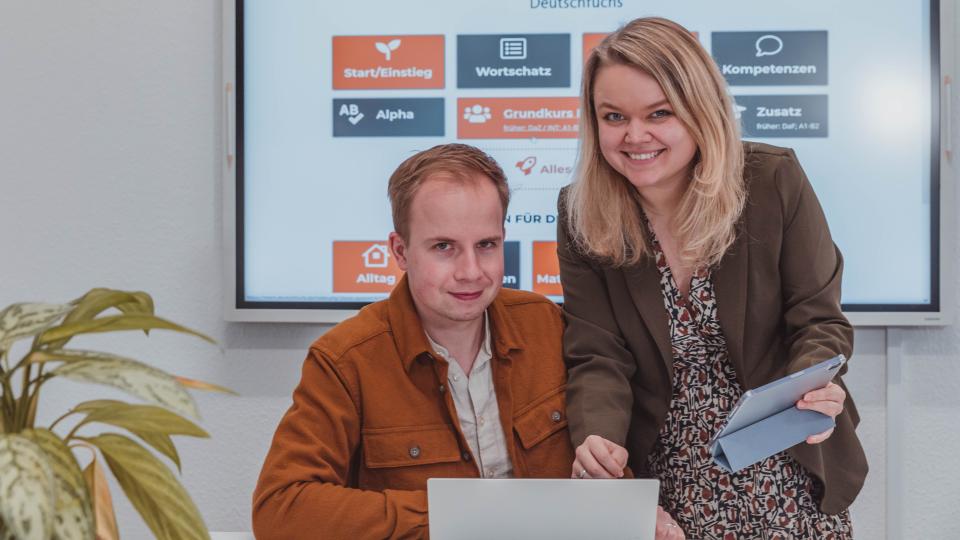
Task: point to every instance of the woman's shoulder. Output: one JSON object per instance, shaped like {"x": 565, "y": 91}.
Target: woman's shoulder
{"x": 770, "y": 170}
{"x": 762, "y": 160}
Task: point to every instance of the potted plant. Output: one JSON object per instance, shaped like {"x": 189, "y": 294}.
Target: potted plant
{"x": 45, "y": 492}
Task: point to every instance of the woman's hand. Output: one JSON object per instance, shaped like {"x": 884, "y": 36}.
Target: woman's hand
{"x": 667, "y": 528}
{"x": 827, "y": 400}
{"x": 599, "y": 458}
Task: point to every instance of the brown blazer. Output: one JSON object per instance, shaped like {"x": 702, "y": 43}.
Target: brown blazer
{"x": 778, "y": 300}
{"x": 371, "y": 421}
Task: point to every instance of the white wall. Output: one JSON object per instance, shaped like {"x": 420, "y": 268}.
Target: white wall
{"x": 110, "y": 176}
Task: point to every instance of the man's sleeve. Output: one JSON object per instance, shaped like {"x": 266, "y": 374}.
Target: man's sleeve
{"x": 302, "y": 489}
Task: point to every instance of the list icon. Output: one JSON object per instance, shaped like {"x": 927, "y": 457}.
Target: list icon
{"x": 513, "y": 48}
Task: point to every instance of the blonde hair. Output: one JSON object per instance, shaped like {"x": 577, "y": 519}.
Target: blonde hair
{"x": 602, "y": 206}
{"x": 458, "y": 161}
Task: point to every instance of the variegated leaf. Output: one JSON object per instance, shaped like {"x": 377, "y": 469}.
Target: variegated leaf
{"x": 136, "y": 378}
{"x": 67, "y": 355}
{"x": 24, "y": 320}
{"x": 200, "y": 385}
{"x": 152, "y": 489}
{"x": 27, "y": 488}
{"x": 4, "y": 533}
{"x": 106, "y": 519}
{"x": 73, "y": 517}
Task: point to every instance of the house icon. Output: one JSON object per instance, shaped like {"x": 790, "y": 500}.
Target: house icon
{"x": 376, "y": 256}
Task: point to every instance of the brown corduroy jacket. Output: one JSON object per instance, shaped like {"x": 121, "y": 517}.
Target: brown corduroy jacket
{"x": 372, "y": 420}
{"x": 778, "y": 300}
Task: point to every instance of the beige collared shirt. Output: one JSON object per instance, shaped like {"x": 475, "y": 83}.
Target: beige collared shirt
{"x": 475, "y": 399}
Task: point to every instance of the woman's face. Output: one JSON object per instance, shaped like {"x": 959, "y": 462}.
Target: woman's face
{"x": 638, "y": 133}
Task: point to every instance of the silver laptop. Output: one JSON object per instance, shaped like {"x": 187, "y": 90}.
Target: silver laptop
{"x": 527, "y": 509}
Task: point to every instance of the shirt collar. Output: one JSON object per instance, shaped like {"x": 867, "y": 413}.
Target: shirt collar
{"x": 411, "y": 340}
{"x": 483, "y": 354}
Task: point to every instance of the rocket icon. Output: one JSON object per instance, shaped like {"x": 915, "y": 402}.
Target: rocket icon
{"x": 526, "y": 165}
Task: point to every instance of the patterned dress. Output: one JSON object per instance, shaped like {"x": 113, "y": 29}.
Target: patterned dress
{"x": 775, "y": 498}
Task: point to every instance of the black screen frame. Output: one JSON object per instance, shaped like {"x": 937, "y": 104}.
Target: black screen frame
{"x": 241, "y": 302}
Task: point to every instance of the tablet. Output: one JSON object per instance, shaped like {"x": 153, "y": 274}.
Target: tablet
{"x": 779, "y": 395}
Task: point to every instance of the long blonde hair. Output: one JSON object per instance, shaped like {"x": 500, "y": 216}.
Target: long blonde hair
{"x": 602, "y": 206}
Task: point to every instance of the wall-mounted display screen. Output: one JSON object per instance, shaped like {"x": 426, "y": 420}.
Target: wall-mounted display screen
{"x": 332, "y": 97}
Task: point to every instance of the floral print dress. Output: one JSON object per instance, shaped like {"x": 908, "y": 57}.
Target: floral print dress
{"x": 773, "y": 499}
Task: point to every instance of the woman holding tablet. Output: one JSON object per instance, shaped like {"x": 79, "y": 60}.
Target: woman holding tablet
{"x": 694, "y": 267}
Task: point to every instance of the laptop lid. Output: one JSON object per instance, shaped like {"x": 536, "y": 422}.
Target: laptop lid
{"x": 527, "y": 509}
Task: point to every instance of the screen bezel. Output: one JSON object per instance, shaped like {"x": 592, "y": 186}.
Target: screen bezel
{"x": 238, "y": 308}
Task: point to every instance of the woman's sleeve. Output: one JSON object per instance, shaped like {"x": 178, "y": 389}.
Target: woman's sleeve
{"x": 599, "y": 366}
{"x": 811, "y": 268}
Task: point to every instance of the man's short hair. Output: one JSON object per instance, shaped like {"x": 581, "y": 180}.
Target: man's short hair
{"x": 457, "y": 161}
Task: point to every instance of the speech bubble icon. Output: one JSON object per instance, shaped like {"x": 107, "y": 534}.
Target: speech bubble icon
{"x": 768, "y": 45}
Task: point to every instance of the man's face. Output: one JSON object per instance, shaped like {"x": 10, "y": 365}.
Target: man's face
{"x": 453, "y": 253}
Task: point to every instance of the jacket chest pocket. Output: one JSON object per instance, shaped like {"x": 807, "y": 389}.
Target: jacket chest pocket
{"x": 542, "y": 418}
{"x": 404, "y": 447}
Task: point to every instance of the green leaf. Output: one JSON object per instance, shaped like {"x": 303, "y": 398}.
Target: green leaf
{"x": 27, "y": 488}
{"x": 97, "y": 301}
{"x": 152, "y": 489}
{"x": 24, "y": 320}
{"x": 136, "y": 378}
{"x": 152, "y": 424}
{"x": 73, "y": 516}
{"x": 163, "y": 444}
{"x": 148, "y": 418}
{"x": 95, "y": 404}
{"x": 113, "y": 323}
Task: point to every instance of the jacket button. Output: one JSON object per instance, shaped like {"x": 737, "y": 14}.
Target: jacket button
{"x": 466, "y": 456}
{"x": 443, "y": 388}
{"x": 415, "y": 452}
{"x": 555, "y": 416}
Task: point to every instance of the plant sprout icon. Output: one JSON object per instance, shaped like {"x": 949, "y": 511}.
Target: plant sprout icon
{"x": 387, "y": 48}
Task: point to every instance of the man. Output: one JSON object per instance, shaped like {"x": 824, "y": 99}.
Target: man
{"x": 449, "y": 377}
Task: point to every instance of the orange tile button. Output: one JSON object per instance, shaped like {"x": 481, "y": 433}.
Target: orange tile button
{"x": 518, "y": 118}
{"x": 364, "y": 267}
{"x": 546, "y": 269}
{"x": 590, "y": 42}
{"x": 370, "y": 62}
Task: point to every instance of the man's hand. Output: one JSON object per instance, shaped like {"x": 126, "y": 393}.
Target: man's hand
{"x": 827, "y": 400}
{"x": 599, "y": 458}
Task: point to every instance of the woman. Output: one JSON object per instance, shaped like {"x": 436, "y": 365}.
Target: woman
{"x": 696, "y": 266}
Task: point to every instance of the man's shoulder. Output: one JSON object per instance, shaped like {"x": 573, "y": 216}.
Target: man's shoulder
{"x": 518, "y": 300}
{"x": 371, "y": 323}
{"x": 527, "y": 310}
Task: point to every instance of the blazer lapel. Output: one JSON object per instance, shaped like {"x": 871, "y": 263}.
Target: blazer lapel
{"x": 730, "y": 284}
{"x": 643, "y": 282}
